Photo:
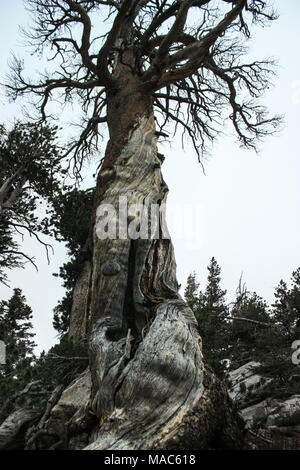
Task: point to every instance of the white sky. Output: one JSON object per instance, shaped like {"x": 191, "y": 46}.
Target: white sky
{"x": 246, "y": 206}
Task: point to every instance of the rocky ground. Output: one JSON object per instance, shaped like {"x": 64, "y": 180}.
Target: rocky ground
{"x": 272, "y": 423}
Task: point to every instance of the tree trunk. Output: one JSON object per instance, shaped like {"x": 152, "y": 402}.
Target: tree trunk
{"x": 151, "y": 388}
{"x": 25, "y": 412}
{"x": 78, "y": 316}
{"x": 11, "y": 427}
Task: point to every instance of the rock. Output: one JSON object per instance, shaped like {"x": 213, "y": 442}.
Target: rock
{"x": 72, "y": 401}
{"x": 243, "y": 380}
{"x": 272, "y": 422}
{"x": 285, "y": 413}
{"x": 258, "y": 413}
{"x": 75, "y": 396}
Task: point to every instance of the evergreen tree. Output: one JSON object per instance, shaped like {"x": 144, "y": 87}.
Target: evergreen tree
{"x": 191, "y": 293}
{"x": 211, "y": 312}
{"x": 68, "y": 220}
{"x": 287, "y": 307}
{"x": 295, "y": 303}
{"x": 251, "y": 325}
{"x": 249, "y": 330}
{"x": 30, "y": 170}
{"x": 277, "y": 361}
{"x": 16, "y": 332}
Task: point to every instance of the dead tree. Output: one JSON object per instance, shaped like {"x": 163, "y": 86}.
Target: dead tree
{"x": 155, "y": 62}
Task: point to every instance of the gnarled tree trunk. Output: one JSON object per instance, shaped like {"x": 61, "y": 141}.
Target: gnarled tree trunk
{"x": 151, "y": 389}
{"x": 150, "y": 386}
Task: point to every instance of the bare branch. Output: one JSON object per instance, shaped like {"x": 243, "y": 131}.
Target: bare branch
{"x": 194, "y": 53}
{"x": 86, "y": 34}
{"x": 251, "y": 321}
{"x": 68, "y": 358}
{"x": 176, "y": 29}
{"x": 33, "y": 233}
{"x": 20, "y": 253}
{"x": 196, "y": 67}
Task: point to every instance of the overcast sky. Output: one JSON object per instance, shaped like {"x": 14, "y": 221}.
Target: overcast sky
{"x": 244, "y": 211}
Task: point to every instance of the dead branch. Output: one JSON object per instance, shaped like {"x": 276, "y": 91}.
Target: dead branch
{"x": 196, "y": 67}
{"x": 251, "y": 321}
{"x": 68, "y": 358}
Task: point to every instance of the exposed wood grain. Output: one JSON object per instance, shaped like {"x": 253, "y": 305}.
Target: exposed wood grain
{"x": 146, "y": 360}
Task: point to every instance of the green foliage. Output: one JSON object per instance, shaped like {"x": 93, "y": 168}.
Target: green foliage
{"x": 62, "y": 364}
{"x": 191, "y": 292}
{"x": 69, "y": 221}
{"x": 276, "y": 361}
{"x": 61, "y": 317}
{"x": 211, "y": 312}
{"x": 69, "y": 218}
{"x": 16, "y": 332}
{"x": 249, "y": 330}
{"x": 32, "y": 147}
{"x": 10, "y": 256}
{"x": 29, "y": 178}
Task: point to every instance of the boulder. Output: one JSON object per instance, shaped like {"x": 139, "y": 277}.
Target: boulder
{"x": 285, "y": 413}
{"x": 244, "y": 381}
{"x": 70, "y": 408}
{"x": 75, "y": 396}
{"x": 271, "y": 422}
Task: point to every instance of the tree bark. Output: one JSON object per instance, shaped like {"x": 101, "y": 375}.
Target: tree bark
{"x": 11, "y": 427}
{"x": 78, "y": 316}
{"x": 151, "y": 388}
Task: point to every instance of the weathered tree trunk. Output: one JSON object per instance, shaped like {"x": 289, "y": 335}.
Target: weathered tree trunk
{"x": 11, "y": 427}
{"x": 25, "y": 412}
{"x": 78, "y": 316}
{"x": 150, "y": 386}
{"x": 151, "y": 389}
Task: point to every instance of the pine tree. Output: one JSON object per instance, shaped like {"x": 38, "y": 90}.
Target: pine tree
{"x": 191, "y": 294}
{"x": 211, "y": 312}
{"x": 295, "y": 303}
{"x": 277, "y": 363}
{"x": 287, "y": 307}
{"x": 30, "y": 171}
{"x": 16, "y": 332}
{"x": 251, "y": 324}
{"x": 69, "y": 221}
